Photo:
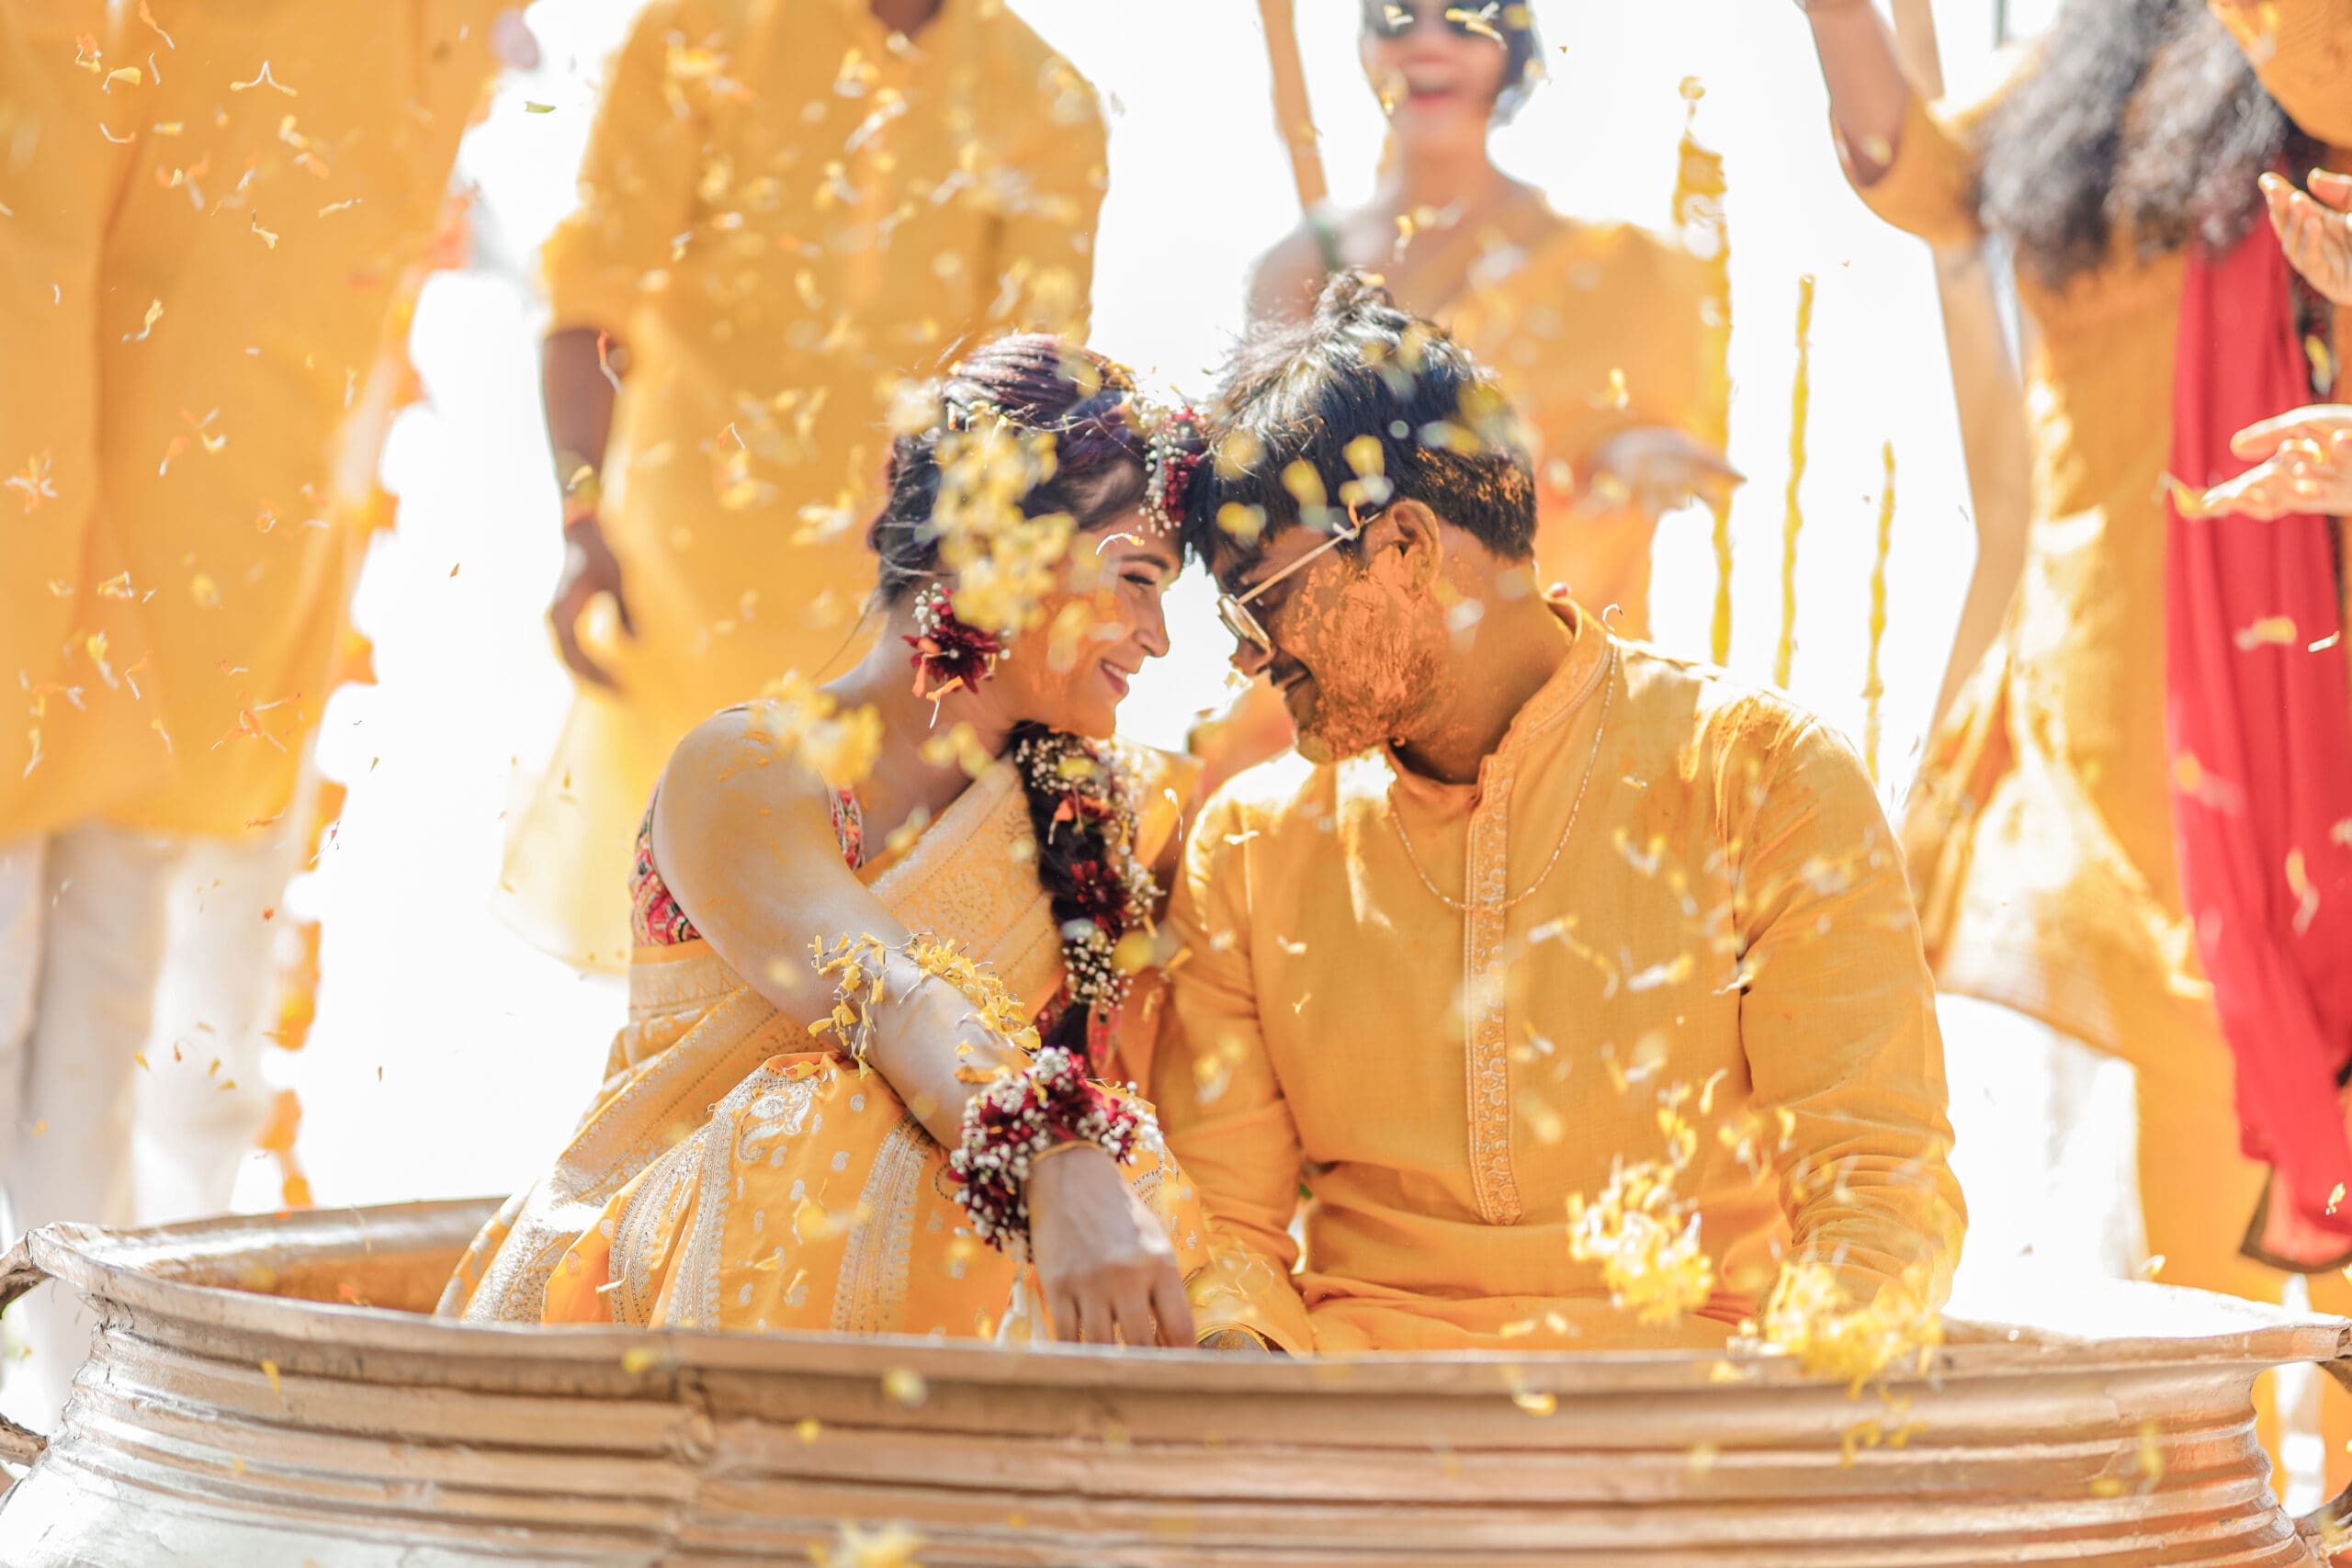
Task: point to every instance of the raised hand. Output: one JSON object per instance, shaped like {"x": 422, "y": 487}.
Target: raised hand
{"x": 1106, "y": 1266}
{"x": 2315, "y": 230}
{"x": 2305, "y": 464}
{"x": 1659, "y": 467}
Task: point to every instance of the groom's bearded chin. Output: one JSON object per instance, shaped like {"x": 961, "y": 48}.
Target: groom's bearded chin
{"x": 1370, "y": 680}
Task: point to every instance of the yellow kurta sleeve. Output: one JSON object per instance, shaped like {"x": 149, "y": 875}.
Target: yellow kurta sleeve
{"x": 636, "y": 181}
{"x": 1837, "y": 1022}
{"x": 2303, "y": 52}
{"x": 1044, "y": 250}
{"x": 1928, "y": 187}
{"x": 1220, "y": 1104}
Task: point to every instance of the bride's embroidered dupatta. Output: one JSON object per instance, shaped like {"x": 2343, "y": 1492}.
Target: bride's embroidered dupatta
{"x": 737, "y": 1174}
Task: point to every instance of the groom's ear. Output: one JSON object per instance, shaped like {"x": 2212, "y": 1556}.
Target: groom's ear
{"x": 1409, "y": 542}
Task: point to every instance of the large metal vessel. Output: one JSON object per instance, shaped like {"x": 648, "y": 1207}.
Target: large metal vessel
{"x": 263, "y": 1392}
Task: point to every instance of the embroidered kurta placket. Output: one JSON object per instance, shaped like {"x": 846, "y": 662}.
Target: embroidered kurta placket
{"x": 1490, "y": 895}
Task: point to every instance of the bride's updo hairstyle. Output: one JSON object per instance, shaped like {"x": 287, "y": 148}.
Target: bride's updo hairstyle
{"x": 1036, "y": 383}
{"x": 1083, "y": 820}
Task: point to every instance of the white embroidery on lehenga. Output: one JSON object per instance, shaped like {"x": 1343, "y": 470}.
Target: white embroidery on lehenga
{"x": 649, "y": 1220}
{"x": 872, "y": 1295}
{"x": 782, "y": 1112}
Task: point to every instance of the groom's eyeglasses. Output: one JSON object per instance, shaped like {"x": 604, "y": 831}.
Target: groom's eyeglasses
{"x": 1234, "y": 609}
{"x": 1395, "y": 19}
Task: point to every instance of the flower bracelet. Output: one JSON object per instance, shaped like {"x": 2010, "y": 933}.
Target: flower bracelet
{"x": 1020, "y": 1117}
{"x": 1022, "y": 1114}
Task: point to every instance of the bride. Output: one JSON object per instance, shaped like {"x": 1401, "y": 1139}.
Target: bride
{"x": 888, "y": 933}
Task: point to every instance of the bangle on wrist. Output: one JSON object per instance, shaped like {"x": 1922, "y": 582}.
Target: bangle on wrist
{"x": 1042, "y": 1155}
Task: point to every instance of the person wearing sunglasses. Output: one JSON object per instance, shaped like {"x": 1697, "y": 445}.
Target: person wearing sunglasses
{"x": 1595, "y": 330}
{"x": 1539, "y": 927}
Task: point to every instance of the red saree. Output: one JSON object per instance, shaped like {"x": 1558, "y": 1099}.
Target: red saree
{"x": 2260, "y": 720}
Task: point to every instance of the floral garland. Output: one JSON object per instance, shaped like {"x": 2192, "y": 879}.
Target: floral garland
{"x": 858, "y": 966}
{"x": 1075, "y": 786}
{"x": 1021, "y": 1115}
{"x": 1173, "y": 455}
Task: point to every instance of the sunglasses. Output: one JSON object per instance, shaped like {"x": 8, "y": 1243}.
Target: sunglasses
{"x": 1395, "y": 19}
{"x": 1234, "y": 610}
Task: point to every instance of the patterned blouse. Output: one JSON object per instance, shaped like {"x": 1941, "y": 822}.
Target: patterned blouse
{"x": 655, "y": 918}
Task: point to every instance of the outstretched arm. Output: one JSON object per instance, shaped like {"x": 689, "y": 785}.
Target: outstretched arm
{"x": 1867, "y": 92}
{"x": 1910, "y": 162}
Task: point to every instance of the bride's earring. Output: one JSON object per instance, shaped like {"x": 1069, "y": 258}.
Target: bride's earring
{"x": 949, "y": 652}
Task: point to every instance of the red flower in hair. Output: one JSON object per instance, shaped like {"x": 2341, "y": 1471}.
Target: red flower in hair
{"x": 1100, "y": 894}
{"x": 1172, "y": 458}
{"x": 949, "y": 652}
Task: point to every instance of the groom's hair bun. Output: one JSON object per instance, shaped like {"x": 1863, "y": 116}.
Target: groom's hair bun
{"x": 1034, "y": 381}
{"x": 1310, "y": 393}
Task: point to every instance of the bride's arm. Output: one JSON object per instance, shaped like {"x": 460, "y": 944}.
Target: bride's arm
{"x": 743, "y": 835}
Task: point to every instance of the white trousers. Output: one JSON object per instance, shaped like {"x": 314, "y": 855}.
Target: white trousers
{"x": 2046, "y": 1149}
{"x": 115, "y": 946}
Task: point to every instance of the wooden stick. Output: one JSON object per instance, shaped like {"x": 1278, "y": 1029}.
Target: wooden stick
{"x": 1701, "y": 222}
{"x": 1873, "y": 686}
{"x": 1792, "y": 520}
{"x": 1294, "y": 115}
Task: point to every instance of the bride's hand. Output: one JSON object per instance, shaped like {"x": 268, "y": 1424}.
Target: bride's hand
{"x": 1104, "y": 1263}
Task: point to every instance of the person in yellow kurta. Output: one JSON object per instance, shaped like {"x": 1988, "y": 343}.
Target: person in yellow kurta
{"x": 2041, "y": 841}
{"x": 786, "y": 206}
{"x": 789, "y": 1142}
{"x": 1579, "y": 985}
{"x": 220, "y": 215}
{"x": 1598, "y": 331}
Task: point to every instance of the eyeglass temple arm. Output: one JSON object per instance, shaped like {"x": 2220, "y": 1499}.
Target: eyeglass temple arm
{"x": 1354, "y": 530}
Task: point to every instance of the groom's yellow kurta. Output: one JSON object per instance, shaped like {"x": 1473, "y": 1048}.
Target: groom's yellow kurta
{"x": 1727, "y": 930}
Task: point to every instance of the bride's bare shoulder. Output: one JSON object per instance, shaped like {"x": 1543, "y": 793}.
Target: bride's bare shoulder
{"x": 746, "y": 761}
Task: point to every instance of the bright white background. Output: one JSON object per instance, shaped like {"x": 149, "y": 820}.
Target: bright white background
{"x": 451, "y": 1059}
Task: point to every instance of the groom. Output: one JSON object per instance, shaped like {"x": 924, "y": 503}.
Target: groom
{"x": 1575, "y": 988}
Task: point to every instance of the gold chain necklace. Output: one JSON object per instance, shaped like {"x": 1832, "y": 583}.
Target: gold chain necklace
{"x": 1592, "y": 763}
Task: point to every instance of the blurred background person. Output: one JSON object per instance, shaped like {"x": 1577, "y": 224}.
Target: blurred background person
{"x": 2072, "y": 874}
{"x": 270, "y": 187}
{"x": 1597, "y": 329}
{"x": 788, "y": 208}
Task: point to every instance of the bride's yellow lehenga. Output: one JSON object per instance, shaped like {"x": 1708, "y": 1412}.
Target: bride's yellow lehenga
{"x": 736, "y": 1174}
